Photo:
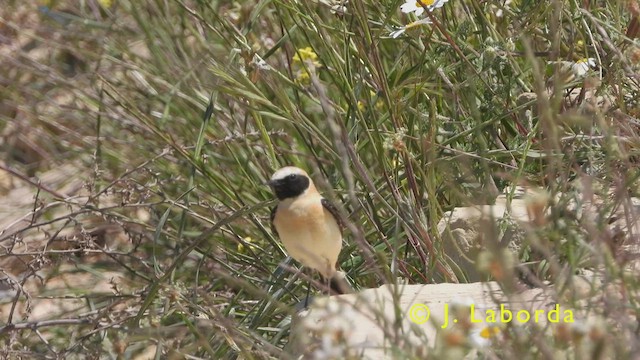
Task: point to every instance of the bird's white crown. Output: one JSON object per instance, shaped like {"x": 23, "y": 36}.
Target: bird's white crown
{"x": 286, "y": 171}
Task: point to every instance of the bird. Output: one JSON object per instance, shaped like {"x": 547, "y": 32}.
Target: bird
{"x": 309, "y": 226}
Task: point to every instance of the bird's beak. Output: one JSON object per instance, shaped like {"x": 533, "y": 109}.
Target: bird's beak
{"x": 271, "y": 183}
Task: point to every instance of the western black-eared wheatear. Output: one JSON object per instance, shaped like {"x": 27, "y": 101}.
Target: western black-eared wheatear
{"x": 309, "y": 226}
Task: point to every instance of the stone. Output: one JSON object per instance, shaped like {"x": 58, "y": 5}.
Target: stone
{"x": 405, "y": 321}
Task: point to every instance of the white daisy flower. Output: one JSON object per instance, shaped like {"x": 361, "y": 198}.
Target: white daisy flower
{"x": 482, "y": 337}
{"x": 582, "y": 66}
{"x": 396, "y": 33}
{"x": 416, "y": 6}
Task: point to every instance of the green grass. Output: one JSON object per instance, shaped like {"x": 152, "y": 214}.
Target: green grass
{"x": 166, "y": 106}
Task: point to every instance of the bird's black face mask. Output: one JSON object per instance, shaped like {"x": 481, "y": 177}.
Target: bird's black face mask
{"x": 290, "y": 186}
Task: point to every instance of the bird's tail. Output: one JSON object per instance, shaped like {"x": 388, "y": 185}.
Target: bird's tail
{"x": 339, "y": 285}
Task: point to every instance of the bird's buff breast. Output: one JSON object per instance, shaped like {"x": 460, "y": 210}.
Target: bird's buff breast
{"x": 309, "y": 233}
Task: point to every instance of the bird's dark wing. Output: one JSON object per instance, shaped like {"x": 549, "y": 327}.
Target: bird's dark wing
{"x": 334, "y": 211}
{"x": 273, "y": 216}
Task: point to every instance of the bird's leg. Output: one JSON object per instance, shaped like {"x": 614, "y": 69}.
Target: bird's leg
{"x": 304, "y": 304}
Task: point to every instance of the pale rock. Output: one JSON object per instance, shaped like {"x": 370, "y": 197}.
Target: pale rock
{"x": 376, "y": 324}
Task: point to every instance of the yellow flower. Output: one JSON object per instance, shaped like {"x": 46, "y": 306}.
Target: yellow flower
{"x": 305, "y": 62}
{"x": 307, "y": 56}
{"x": 249, "y": 241}
{"x": 303, "y": 77}
{"x": 379, "y": 105}
{"x": 105, "y": 3}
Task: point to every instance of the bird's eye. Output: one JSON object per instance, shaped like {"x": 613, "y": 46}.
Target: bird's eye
{"x": 291, "y": 176}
